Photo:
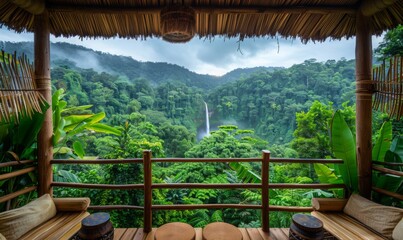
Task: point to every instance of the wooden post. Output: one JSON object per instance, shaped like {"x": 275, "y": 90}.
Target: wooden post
{"x": 147, "y": 191}
{"x": 265, "y": 191}
{"x": 363, "y": 56}
{"x": 42, "y": 78}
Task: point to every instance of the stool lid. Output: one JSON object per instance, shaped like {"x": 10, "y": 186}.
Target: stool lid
{"x": 95, "y": 219}
{"x": 175, "y": 231}
{"x": 307, "y": 222}
{"x": 222, "y": 231}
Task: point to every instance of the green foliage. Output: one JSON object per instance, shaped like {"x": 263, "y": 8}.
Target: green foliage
{"x": 18, "y": 141}
{"x": 391, "y": 45}
{"x": 267, "y": 101}
{"x": 343, "y": 146}
{"x": 227, "y": 141}
{"x": 68, "y": 126}
{"x": 382, "y": 145}
{"x": 310, "y": 138}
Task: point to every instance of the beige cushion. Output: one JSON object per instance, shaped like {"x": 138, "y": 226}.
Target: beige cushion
{"x": 71, "y": 204}
{"x": 382, "y": 219}
{"x": 2, "y": 237}
{"x": 398, "y": 231}
{"x": 16, "y": 222}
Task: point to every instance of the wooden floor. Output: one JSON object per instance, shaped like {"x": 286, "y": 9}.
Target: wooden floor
{"x": 248, "y": 234}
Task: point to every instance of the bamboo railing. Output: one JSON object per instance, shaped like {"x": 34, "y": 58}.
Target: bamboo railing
{"x": 14, "y": 174}
{"x": 384, "y": 170}
{"x": 148, "y": 185}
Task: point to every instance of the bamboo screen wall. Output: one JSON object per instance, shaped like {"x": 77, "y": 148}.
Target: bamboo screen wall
{"x": 388, "y": 83}
{"x": 18, "y": 93}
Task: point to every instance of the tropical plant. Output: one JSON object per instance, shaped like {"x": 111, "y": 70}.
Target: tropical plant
{"x": 18, "y": 141}
{"x": 343, "y": 146}
{"x": 68, "y": 126}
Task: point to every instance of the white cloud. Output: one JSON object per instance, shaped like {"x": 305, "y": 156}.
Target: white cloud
{"x": 216, "y": 56}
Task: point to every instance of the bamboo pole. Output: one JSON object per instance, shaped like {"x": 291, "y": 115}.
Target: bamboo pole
{"x": 42, "y": 77}
{"x": 388, "y": 171}
{"x": 14, "y": 163}
{"x": 17, "y": 193}
{"x": 147, "y": 191}
{"x": 204, "y": 206}
{"x": 265, "y": 191}
{"x": 17, "y": 173}
{"x": 363, "y": 55}
{"x": 98, "y": 186}
{"x": 115, "y": 207}
{"x": 388, "y": 193}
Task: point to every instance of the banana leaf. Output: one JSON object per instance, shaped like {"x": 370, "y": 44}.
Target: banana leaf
{"x": 326, "y": 174}
{"x": 343, "y": 146}
{"x": 78, "y": 149}
{"x": 383, "y": 142}
{"x": 102, "y": 128}
{"x": 245, "y": 173}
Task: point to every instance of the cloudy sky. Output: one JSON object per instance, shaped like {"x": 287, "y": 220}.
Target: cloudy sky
{"x": 214, "y": 57}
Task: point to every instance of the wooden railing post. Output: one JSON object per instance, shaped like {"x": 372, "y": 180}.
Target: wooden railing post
{"x": 265, "y": 190}
{"x": 147, "y": 191}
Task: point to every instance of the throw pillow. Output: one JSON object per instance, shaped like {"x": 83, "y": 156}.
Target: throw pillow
{"x": 382, "y": 219}
{"x": 17, "y": 222}
{"x": 398, "y": 231}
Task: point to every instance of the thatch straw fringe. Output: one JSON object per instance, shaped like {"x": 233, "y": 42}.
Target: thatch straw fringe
{"x": 18, "y": 93}
{"x": 388, "y": 84}
{"x": 312, "y": 20}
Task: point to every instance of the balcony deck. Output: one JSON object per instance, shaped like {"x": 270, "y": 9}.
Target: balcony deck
{"x": 248, "y": 234}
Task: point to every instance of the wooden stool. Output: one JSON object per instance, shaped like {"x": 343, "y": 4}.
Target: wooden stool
{"x": 221, "y": 231}
{"x": 305, "y": 226}
{"x": 96, "y": 226}
{"x": 175, "y": 231}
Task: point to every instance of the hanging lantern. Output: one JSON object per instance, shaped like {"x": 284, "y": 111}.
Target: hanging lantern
{"x": 178, "y": 24}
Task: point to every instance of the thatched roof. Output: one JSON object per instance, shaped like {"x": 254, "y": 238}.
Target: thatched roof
{"x": 307, "y": 19}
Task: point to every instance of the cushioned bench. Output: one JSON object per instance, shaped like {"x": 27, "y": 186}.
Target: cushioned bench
{"x": 359, "y": 218}
{"x": 44, "y": 218}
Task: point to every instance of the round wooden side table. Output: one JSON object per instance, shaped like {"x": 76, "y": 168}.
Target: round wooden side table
{"x": 175, "y": 231}
{"x": 306, "y": 227}
{"x": 221, "y": 231}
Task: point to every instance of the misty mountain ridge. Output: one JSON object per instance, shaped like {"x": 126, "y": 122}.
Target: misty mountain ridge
{"x": 76, "y": 56}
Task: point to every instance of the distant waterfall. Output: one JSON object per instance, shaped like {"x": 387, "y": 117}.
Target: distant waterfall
{"x": 207, "y": 121}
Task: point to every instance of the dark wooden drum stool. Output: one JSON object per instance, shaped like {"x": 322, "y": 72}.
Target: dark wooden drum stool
{"x": 96, "y": 226}
{"x": 306, "y": 227}
{"x": 221, "y": 231}
{"x": 175, "y": 231}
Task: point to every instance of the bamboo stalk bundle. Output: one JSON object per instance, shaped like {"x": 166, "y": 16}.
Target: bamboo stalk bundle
{"x": 388, "y": 84}
{"x": 19, "y": 96}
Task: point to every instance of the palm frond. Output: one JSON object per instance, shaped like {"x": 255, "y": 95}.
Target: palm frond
{"x": 19, "y": 95}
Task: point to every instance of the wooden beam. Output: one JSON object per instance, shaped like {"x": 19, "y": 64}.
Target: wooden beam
{"x": 35, "y": 7}
{"x": 363, "y": 56}
{"x": 42, "y": 78}
{"x": 94, "y": 9}
{"x": 370, "y": 7}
